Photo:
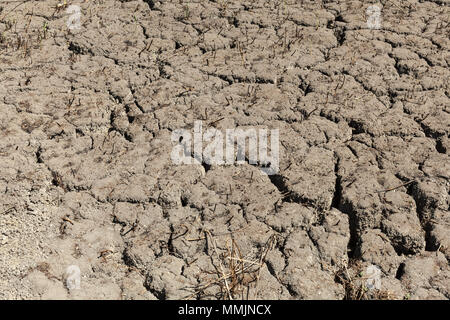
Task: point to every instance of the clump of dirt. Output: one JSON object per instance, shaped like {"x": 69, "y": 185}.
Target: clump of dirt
{"x": 89, "y": 107}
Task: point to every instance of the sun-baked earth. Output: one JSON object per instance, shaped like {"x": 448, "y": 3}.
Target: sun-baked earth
{"x": 86, "y": 177}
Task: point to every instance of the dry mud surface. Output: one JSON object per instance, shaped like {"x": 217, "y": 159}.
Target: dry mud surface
{"x": 86, "y": 177}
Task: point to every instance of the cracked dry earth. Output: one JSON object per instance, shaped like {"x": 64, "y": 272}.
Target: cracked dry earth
{"x": 86, "y": 177}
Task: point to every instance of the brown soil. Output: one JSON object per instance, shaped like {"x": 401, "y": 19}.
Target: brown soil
{"x": 86, "y": 177}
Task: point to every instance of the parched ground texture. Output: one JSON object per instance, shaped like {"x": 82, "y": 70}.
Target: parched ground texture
{"x": 86, "y": 177}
